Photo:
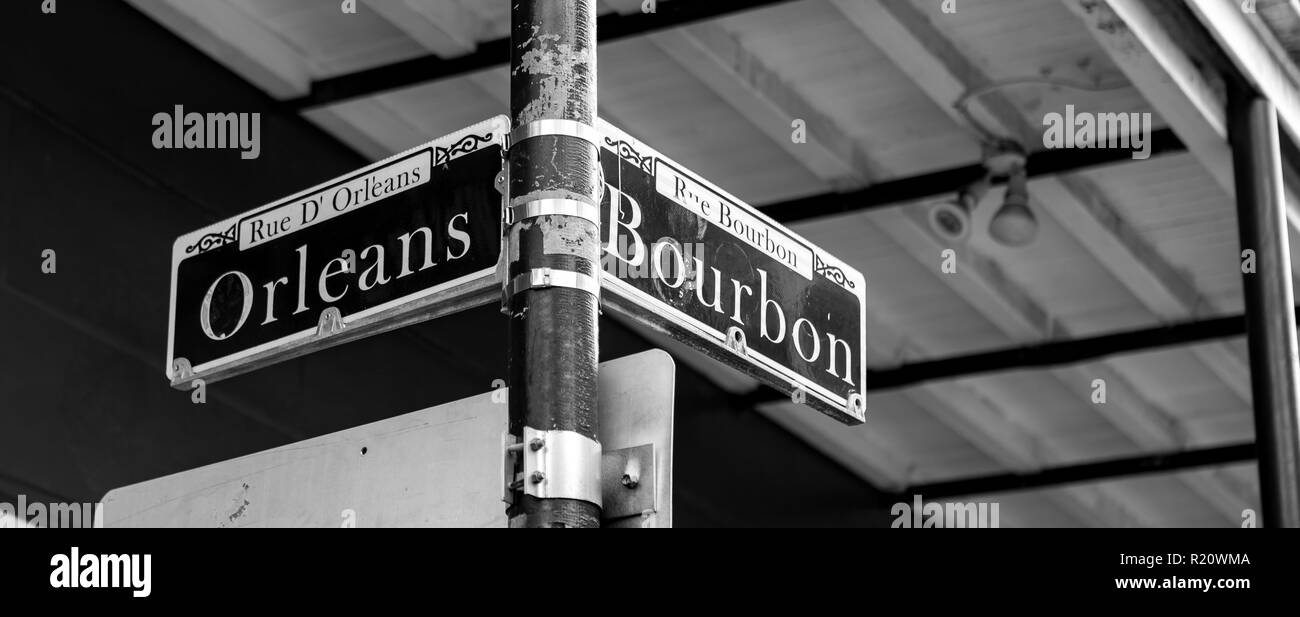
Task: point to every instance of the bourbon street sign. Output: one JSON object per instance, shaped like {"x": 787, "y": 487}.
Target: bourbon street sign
{"x": 403, "y": 240}
{"x": 685, "y": 257}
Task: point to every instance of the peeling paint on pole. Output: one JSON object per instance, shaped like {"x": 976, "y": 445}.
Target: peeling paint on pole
{"x": 556, "y": 66}
{"x": 560, "y": 237}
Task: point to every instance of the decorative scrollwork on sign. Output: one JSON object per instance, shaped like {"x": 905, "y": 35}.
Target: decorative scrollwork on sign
{"x": 629, "y": 154}
{"x": 831, "y": 272}
{"x": 211, "y": 241}
{"x": 466, "y": 145}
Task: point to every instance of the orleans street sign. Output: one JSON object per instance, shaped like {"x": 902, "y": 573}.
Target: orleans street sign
{"x": 683, "y": 256}
{"x": 403, "y": 240}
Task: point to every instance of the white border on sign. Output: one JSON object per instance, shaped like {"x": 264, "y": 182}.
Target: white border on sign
{"x": 500, "y": 128}
{"x": 855, "y": 278}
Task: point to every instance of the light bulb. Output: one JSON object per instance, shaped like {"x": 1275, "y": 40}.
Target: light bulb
{"x": 1014, "y": 224}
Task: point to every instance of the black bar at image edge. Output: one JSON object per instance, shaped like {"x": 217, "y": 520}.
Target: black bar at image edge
{"x": 188, "y": 565}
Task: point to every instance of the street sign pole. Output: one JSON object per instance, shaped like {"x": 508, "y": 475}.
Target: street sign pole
{"x": 552, "y": 285}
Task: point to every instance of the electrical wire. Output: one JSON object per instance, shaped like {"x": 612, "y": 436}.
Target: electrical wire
{"x": 961, "y": 103}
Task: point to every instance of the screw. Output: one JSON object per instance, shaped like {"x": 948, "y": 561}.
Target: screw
{"x": 629, "y": 481}
{"x": 536, "y": 444}
{"x": 537, "y": 477}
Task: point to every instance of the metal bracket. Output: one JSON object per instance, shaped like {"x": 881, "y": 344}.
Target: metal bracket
{"x": 182, "y": 371}
{"x": 558, "y": 464}
{"x": 511, "y": 449}
{"x": 736, "y": 340}
{"x": 857, "y": 404}
{"x": 627, "y": 482}
{"x": 331, "y": 322}
{"x": 539, "y": 278}
{"x": 502, "y": 183}
{"x": 544, "y": 207}
{"x": 555, "y": 126}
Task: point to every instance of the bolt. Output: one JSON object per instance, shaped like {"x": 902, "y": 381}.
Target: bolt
{"x": 537, "y": 477}
{"x": 629, "y": 481}
{"x": 536, "y": 444}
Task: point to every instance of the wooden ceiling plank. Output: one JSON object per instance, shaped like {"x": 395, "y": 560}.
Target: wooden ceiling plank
{"x": 441, "y": 27}
{"x": 724, "y": 66}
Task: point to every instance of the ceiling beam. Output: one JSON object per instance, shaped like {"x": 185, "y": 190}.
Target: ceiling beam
{"x": 1045, "y": 355}
{"x": 432, "y": 67}
{"x": 1059, "y": 352}
{"x": 1113, "y": 469}
{"x": 946, "y": 182}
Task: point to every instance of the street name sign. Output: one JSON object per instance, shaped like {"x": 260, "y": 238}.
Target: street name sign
{"x": 686, "y": 258}
{"x": 407, "y": 239}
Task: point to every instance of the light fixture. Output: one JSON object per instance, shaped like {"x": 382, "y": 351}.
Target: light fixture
{"x": 1014, "y": 223}
{"x": 950, "y": 220}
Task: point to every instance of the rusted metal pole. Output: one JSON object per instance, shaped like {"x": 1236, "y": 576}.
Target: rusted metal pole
{"x": 553, "y": 262}
{"x": 1270, "y": 321}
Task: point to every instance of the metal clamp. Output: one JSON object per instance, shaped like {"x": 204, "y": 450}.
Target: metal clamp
{"x": 856, "y": 405}
{"x": 561, "y": 464}
{"x": 539, "y": 278}
{"x": 512, "y": 449}
{"x": 330, "y": 322}
{"x": 736, "y": 340}
{"x": 182, "y": 372}
{"x": 543, "y": 207}
{"x": 555, "y": 126}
